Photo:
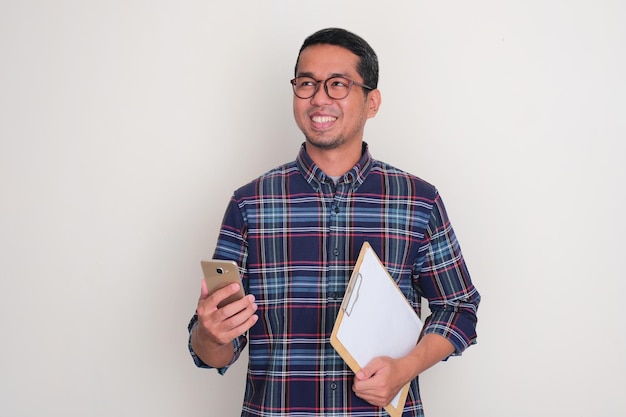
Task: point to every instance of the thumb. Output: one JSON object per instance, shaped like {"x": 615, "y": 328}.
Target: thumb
{"x": 365, "y": 373}
{"x": 204, "y": 291}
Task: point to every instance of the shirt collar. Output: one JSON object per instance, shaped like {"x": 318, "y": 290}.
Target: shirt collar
{"x": 315, "y": 176}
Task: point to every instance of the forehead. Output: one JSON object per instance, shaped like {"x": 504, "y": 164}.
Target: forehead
{"x": 324, "y": 60}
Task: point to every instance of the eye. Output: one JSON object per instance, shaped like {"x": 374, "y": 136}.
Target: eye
{"x": 306, "y": 82}
{"x": 339, "y": 83}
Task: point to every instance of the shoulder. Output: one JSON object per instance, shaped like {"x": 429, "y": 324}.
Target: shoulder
{"x": 403, "y": 180}
{"x": 270, "y": 179}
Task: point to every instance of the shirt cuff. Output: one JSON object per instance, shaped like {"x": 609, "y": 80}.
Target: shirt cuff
{"x": 457, "y": 327}
{"x": 238, "y": 345}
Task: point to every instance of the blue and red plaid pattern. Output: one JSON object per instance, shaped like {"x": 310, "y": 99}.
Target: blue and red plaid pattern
{"x": 297, "y": 235}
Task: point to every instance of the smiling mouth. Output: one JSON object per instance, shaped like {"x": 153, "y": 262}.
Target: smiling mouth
{"x": 323, "y": 119}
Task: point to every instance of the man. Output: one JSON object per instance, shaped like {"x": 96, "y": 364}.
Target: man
{"x": 296, "y": 233}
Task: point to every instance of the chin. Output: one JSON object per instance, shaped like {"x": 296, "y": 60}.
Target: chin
{"x": 324, "y": 143}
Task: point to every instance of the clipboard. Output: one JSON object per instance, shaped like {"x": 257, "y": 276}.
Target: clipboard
{"x": 375, "y": 319}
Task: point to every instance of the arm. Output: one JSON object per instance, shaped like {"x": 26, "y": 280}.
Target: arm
{"x": 216, "y": 335}
{"x": 443, "y": 279}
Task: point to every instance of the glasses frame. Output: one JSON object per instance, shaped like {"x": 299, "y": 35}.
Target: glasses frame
{"x": 325, "y": 82}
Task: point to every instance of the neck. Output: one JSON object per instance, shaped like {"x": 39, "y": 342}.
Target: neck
{"x": 337, "y": 161}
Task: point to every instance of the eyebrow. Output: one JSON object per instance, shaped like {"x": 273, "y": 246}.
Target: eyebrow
{"x": 334, "y": 74}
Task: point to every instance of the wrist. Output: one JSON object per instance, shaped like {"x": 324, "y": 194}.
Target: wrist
{"x": 211, "y": 353}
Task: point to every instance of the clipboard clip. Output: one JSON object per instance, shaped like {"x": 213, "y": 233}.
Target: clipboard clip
{"x": 352, "y": 294}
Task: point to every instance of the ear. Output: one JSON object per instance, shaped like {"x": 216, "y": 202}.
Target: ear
{"x": 373, "y": 103}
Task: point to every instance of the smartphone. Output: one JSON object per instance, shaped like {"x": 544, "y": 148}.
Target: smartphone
{"x": 218, "y": 274}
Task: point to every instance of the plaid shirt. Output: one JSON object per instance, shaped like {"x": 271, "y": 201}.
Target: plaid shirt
{"x": 297, "y": 235}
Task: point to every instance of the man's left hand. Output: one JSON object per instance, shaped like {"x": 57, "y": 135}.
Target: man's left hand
{"x": 380, "y": 380}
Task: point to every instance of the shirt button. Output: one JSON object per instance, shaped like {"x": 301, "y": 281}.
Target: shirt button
{"x": 336, "y": 252}
{"x": 333, "y": 386}
{"x": 336, "y": 209}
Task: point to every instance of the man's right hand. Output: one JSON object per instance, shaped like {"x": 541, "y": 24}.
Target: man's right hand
{"x": 217, "y": 327}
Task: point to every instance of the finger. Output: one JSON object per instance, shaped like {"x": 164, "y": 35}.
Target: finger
{"x": 234, "y": 332}
{"x": 371, "y": 397}
{"x": 240, "y": 322}
{"x": 246, "y": 304}
{"x": 218, "y": 296}
{"x": 244, "y": 319}
{"x": 369, "y": 370}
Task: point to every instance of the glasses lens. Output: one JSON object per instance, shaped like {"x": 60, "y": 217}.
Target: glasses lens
{"x": 304, "y": 87}
{"x": 338, "y": 87}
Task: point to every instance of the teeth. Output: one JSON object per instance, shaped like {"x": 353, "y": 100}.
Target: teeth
{"x": 324, "y": 119}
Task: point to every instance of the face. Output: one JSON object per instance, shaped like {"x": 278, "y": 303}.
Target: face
{"x": 325, "y": 122}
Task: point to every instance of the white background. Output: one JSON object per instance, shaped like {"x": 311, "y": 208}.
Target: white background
{"x": 126, "y": 125}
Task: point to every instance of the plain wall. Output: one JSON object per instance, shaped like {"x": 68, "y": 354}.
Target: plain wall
{"x": 126, "y": 125}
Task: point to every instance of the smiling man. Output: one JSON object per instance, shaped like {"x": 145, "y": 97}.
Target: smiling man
{"x": 296, "y": 233}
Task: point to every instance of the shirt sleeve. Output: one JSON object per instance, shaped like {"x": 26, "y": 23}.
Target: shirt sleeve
{"x": 231, "y": 245}
{"x": 238, "y": 345}
{"x": 446, "y": 284}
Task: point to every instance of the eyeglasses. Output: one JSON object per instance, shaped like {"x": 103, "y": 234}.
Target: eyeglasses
{"x": 336, "y": 88}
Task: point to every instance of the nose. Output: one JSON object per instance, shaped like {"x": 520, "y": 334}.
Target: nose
{"x": 320, "y": 98}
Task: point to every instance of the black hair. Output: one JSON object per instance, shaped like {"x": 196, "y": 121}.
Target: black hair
{"x": 368, "y": 61}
